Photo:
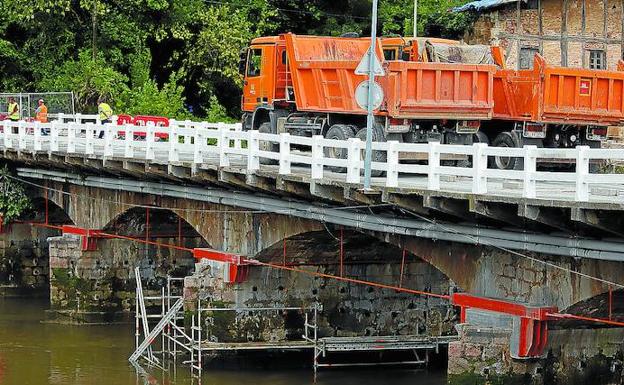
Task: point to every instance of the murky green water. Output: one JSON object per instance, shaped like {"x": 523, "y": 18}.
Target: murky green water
{"x": 36, "y": 353}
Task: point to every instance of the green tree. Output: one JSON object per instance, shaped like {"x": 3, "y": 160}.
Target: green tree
{"x": 88, "y": 79}
{"x": 13, "y": 198}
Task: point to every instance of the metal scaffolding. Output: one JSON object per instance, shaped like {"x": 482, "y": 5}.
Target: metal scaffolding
{"x": 167, "y": 315}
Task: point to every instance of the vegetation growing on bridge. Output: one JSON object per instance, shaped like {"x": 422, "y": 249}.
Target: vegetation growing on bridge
{"x": 174, "y": 57}
{"x": 13, "y": 198}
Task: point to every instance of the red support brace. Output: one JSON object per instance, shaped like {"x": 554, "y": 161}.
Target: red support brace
{"x": 533, "y": 321}
{"x": 237, "y": 266}
{"x": 88, "y": 236}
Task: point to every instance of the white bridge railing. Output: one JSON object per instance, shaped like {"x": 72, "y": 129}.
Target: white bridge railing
{"x": 195, "y": 144}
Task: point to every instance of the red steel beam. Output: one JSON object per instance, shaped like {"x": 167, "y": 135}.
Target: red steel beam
{"x": 468, "y": 301}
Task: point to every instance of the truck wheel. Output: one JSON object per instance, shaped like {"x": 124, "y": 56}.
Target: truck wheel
{"x": 338, "y": 132}
{"x": 505, "y": 139}
{"x": 479, "y": 137}
{"x": 376, "y": 156}
{"x": 265, "y": 128}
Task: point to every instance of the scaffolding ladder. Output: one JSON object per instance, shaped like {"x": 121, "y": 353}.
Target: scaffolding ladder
{"x": 169, "y": 324}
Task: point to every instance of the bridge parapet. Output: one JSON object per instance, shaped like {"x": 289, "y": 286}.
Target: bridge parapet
{"x": 190, "y": 147}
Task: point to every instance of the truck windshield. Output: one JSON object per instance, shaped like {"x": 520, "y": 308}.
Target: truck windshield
{"x": 254, "y": 62}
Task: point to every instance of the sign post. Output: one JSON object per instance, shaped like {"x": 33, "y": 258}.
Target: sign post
{"x": 372, "y": 59}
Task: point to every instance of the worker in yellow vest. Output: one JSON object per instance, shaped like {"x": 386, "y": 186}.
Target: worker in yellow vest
{"x": 42, "y": 112}
{"x": 14, "y": 110}
{"x": 106, "y": 112}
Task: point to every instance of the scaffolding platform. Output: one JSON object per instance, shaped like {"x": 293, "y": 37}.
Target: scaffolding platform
{"x": 351, "y": 344}
{"x": 235, "y": 346}
{"x": 420, "y": 346}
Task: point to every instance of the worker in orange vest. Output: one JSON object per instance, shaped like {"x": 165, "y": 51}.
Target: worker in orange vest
{"x": 42, "y": 112}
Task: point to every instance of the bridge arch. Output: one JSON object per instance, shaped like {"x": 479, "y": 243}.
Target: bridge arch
{"x": 352, "y": 308}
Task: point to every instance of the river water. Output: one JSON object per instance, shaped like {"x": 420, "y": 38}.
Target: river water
{"x": 37, "y": 353}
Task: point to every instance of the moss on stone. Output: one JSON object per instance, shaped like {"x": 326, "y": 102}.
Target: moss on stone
{"x": 472, "y": 378}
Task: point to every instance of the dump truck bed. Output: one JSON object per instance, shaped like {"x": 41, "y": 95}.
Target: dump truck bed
{"x": 559, "y": 95}
{"x": 439, "y": 90}
{"x": 323, "y": 79}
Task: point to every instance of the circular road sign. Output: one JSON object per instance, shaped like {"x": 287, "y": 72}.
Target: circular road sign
{"x": 361, "y": 95}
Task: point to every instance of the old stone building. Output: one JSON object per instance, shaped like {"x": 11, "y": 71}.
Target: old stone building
{"x": 574, "y": 33}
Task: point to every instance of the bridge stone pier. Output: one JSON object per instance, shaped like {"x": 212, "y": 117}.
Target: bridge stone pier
{"x": 102, "y": 207}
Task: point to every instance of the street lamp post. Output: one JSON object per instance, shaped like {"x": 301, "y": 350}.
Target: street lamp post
{"x": 369, "y": 117}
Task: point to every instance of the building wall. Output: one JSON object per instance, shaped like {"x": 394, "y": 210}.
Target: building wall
{"x": 565, "y": 32}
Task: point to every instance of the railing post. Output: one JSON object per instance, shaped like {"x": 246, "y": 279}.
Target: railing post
{"x": 71, "y": 137}
{"x": 78, "y": 118}
{"x": 55, "y": 126}
{"x": 128, "y": 141}
{"x": 187, "y": 124}
{"x": 353, "y": 160}
{"x": 149, "y": 142}
{"x": 224, "y": 145}
{"x": 89, "y": 134}
{"x": 3, "y": 137}
{"x": 530, "y": 167}
{"x": 392, "y": 163}
{"x": 174, "y": 138}
{"x": 253, "y": 150}
{"x": 317, "y": 157}
{"x": 109, "y": 150}
{"x": 60, "y": 117}
{"x": 199, "y": 143}
{"x": 284, "y": 161}
{"x": 582, "y": 173}
{"x": 21, "y": 132}
{"x": 433, "y": 180}
{"x": 479, "y": 168}
{"x": 7, "y": 132}
{"x": 37, "y": 145}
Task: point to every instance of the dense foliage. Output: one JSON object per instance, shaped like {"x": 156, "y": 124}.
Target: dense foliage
{"x": 175, "y": 57}
{"x": 13, "y": 198}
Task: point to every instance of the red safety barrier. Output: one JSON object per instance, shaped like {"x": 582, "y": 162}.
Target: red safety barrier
{"x": 124, "y": 119}
{"x": 144, "y": 120}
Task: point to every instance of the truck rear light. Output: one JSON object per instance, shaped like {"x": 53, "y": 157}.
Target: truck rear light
{"x": 596, "y": 133}
{"x": 397, "y": 126}
{"x": 534, "y": 130}
{"x": 468, "y": 126}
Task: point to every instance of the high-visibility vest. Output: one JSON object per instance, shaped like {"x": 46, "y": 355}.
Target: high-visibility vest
{"x": 42, "y": 113}
{"x": 105, "y": 111}
{"x": 14, "y": 113}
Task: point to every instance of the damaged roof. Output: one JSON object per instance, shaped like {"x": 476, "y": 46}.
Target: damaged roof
{"x": 482, "y": 5}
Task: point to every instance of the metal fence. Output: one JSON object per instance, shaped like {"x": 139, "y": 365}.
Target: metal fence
{"x": 57, "y": 103}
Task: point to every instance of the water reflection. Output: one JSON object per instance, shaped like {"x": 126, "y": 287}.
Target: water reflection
{"x": 32, "y": 352}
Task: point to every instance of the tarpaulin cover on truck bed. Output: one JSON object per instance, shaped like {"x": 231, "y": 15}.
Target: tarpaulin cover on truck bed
{"x": 466, "y": 54}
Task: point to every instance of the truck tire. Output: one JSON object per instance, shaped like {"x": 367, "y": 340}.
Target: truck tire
{"x": 265, "y": 128}
{"x": 505, "y": 139}
{"x": 376, "y": 156}
{"x": 479, "y": 137}
{"x": 338, "y": 132}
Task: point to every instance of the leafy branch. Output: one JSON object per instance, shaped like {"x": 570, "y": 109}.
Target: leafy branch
{"x": 13, "y": 198}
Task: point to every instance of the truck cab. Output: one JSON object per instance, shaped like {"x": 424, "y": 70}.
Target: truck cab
{"x": 263, "y": 67}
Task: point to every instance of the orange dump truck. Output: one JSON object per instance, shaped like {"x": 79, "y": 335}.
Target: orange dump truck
{"x": 551, "y": 106}
{"x": 434, "y": 89}
{"x": 306, "y": 85}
